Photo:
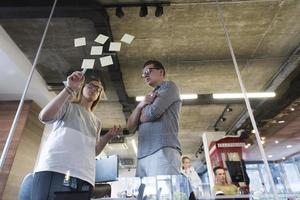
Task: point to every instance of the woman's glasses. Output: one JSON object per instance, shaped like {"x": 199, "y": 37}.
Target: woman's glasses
{"x": 94, "y": 87}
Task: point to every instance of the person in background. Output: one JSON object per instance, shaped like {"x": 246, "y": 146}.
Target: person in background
{"x": 26, "y": 187}
{"x": 222, "y": 187}
{"x": 67, "y": 159}
{"x": 189, "y": 171}
{"x": 157, "y": 120}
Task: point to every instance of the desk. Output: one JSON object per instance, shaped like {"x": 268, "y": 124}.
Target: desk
{"x": 226, "y": 197}
{"x": 159, "y": 187}
{"x": 115, "y": 199}
{"x": 252, "y": 197}
{"x": 202, "y": 198}
{"x": 174, "y": 188}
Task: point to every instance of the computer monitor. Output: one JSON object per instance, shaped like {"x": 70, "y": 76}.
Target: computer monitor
{"x": 237, "y": 171}
{"x": 107, "y": 169}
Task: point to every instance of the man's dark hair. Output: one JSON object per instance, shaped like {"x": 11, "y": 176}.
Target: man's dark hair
{"x": 217, "y": 168}
{"x": 156, "y": 64}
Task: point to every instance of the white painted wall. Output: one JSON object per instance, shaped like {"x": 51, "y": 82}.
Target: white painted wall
{"x": 207, "y": 138}
{"x": 14, "y": 69}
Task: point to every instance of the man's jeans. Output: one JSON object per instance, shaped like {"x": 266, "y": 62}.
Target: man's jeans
{"x": 165, "y": 161}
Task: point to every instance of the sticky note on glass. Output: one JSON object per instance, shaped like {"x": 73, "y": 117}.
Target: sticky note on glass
{"x": 96, "y": 50}
{"x": 101, "y": 39}
{"x": 105, "y": 61}
{"x": 79, "y": 42}
{"x": 115, "y": 46}
{"x": 127, "y": 38}
{"x": 88, "y": 63}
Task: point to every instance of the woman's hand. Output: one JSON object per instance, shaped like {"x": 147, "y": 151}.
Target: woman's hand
{"x": 114, "y": 131}
{"x": 75, "y": 80}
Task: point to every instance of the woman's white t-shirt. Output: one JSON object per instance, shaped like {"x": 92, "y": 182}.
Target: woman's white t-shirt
{"x": 70, "y": 147}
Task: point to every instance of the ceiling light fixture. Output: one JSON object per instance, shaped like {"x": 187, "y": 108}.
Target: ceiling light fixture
{"x": 228, "y": 109}
{"x": 292, "y": 109}
{"x": 240, "y": 95}
{"x": 159, "y": 11}
{"x": 182, "y": 97}
{"x": 119, "y": 12}
{"x": 270, "y": 156}
{"x": 281, "y": 122}
{"x": 289, "y": 146}
{"x": 188, "y": 96}
{"x": 223, "y": 119}
{"x": 276, "y": 142}
{"x": 143, "y": 11}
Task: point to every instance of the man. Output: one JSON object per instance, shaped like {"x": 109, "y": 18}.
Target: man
{"x": 221, "y": 186}
{"x": 157, "y": 120}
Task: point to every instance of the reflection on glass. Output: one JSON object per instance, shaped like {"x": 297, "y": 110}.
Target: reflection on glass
{"x": 164, "y": 187}
{"x": 178, "y": 187}
{"x": 292, "y": 175}
{"x": 160, "y": 187}
{"x": 256, "y": 183}
{"x": 285, "y": 175}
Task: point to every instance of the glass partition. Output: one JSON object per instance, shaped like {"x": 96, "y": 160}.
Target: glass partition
{"x": 214, "y": 50}
{"x": 179, "y": 188}
{"x": 259, "y": 135}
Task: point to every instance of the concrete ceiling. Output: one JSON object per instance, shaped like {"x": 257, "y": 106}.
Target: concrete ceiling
{"x": 189, "y": 40}
{"x": 282, "y": 139}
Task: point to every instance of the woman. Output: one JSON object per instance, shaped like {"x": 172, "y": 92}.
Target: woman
{"x": 191, "y": 174}
{"x": 67, "y": 160}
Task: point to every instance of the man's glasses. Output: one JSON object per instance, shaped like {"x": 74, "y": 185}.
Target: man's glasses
{"x": 147, "y": 72}
{"x": 94, "y": 87}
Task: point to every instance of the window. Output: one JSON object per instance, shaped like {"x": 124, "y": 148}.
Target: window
{"x": 292, "y": 175}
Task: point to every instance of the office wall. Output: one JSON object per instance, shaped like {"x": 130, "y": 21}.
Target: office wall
{"x": 24, "y": 148}
{"x": 14, "y": 70}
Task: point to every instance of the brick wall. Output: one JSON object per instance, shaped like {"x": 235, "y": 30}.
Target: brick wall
{"x": 27, "y": 121}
